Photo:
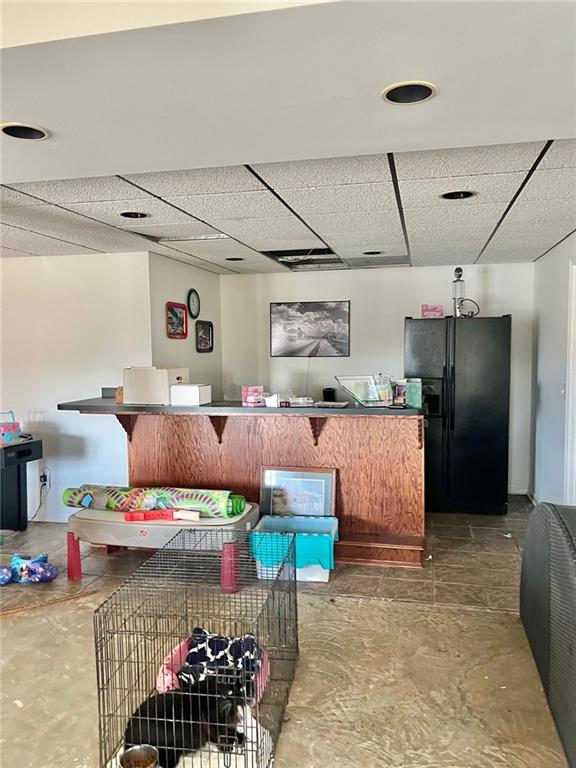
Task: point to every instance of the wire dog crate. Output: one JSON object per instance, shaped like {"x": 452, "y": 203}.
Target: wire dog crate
{"x": 195, "y": 653}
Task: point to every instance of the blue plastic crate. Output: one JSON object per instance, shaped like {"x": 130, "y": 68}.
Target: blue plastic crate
{"x": 315, "y": 537}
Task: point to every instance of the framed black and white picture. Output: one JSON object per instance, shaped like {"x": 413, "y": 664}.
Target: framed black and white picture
{"x": 298, "y": 491}
{"x": 204, "y": 336}
{"x": 310, "y": 329}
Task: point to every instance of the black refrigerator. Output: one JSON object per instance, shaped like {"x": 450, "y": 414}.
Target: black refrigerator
{"x": 464, "y": 364}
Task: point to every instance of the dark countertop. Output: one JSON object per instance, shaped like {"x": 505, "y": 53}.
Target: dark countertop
{"x": 226, "y": 408}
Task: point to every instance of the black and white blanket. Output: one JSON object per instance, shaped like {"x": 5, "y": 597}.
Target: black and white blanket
{"x": 210, "y": 654}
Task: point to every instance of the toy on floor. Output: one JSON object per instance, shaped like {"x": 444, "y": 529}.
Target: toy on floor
{"x": 22, "y": 570}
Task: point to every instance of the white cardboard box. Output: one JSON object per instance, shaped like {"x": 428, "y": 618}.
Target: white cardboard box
{"x": 151, "y": 386}
{"x": 190, "y": 394}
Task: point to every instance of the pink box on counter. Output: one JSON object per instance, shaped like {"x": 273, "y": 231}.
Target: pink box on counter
{"x": 431, "y": 310}
{"x": 253, "y": 396}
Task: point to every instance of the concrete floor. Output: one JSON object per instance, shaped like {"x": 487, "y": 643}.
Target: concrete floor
{"x": 433, "y": 671}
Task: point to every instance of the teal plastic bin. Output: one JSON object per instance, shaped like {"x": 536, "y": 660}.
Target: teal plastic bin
{"x": 315, "y": 537}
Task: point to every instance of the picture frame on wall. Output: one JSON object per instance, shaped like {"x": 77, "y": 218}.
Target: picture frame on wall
{"x": 204, "y": 336}
{"x": 298, "y": 491}
{"x": 176, "y": 320}
{"x": 310, "y": 329}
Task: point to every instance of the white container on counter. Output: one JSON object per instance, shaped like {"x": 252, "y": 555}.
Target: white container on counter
{"x": 190, "y": 394}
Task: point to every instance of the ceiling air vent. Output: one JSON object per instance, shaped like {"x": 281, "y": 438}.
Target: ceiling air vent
{"x": 298, "y": 257}
{"x": 361, "y": 262}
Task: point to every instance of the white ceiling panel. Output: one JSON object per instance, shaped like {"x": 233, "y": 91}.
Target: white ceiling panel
{"x": 550, "y": 185}
{"x": 562, "y": 154}
{"x": 522, "y": 253}
{"x": 358, "y": 252}
{"x": 109, "y": 240}
{"x": 325, "y": 173}
{"x": 218, "y": 251}
{"x": 190, "y": 228}
{"x": 109, "y": 212}
{"x": 489, "y": 188}
{"x": 467, "y": 161}
{"x": 345, "y": 198}
{"x": 187, "y": 258}
{"x": 10, "y": 198}
{"x": 453, "y": 221}
{"x": 442, "y": 256}
{"x": 378, "y": 231}
{"x": 11, "y": 253}
{"x": 534, "y": 214}
{"x": 200, "y": 181}
{"x": 81, "y": 190}
{"x": 253, "y": 205}
{"x": 269, "y": 234}
{"x": 39, "y": 245}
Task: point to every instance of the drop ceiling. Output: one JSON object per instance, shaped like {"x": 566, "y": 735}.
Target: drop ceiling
{"x": 292, "y": 84}
{"x": 375, "y": 211}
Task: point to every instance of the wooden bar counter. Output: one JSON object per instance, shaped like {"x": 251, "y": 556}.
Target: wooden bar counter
{"x": 378, "y": 453}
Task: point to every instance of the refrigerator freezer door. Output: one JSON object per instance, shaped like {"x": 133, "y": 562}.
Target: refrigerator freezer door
{"x": 479, "y": 401}
{"x": 424, "y": 348}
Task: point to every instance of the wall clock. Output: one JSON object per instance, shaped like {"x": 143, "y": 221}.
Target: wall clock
{"x": 193, "y": 302}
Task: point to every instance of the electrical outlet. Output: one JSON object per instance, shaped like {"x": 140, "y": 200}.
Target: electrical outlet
{"x": 43, "y": 479}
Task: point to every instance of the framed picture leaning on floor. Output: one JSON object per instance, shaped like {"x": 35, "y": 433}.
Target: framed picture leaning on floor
{"x": 298, "y": 491}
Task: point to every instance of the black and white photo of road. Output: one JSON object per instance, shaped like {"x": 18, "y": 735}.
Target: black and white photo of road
{"x": 310, "y": 329}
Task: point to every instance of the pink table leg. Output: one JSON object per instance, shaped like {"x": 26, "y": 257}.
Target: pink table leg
{"x": 229, "y": 568}
{"x": 74, "y": 561}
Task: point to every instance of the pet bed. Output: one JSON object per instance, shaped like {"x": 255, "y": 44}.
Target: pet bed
{"x": 102, "y": 526}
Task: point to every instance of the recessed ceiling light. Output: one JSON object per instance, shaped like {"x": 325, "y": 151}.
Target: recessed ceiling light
{"x": 373, "y": 253}
{"x": 134, "y": 214}
{"x": 461, "y": 194}
{"x": 234, "y": 258}
{"x": 24, "y": 131}
{"x": 409, "y": 92}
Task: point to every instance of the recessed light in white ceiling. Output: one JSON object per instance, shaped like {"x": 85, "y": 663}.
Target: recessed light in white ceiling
{"x": 134, "y": 215}
{"x": 24, "y": 131}
{"x": 409, "y": 92}
{"x": 234, "y": 258}
{"x": 461, "y": 194}
{"x": 373, "y": 253}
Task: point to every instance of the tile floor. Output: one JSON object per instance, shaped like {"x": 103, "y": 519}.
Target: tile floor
{"x": 472, "y": 561}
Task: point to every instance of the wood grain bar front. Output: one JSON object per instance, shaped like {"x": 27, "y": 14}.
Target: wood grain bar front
{"x": 380, "y": 463}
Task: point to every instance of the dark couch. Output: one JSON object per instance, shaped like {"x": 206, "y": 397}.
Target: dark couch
{"x": 548, "y": 611}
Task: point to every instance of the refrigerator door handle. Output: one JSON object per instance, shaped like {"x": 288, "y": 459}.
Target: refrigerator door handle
{"x": 452, "y": 397}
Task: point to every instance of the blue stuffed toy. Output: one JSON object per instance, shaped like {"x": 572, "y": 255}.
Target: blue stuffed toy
{"x": 35, "y": 570}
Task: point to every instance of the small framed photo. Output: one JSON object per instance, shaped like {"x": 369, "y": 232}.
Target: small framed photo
{"x": 294, "y": 491}
{"x": 176, "y": 320}
{"x": 204, "y": 336}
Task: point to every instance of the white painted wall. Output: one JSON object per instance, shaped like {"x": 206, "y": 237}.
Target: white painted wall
{"x": 380, "y": 299}
{"x": 69, "y": 326}
{"x": 551, "y": 346}
{"x": 171, "y": 280}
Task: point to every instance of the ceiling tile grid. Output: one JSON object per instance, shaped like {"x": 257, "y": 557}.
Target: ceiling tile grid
{"x": 200, "y": 181}
{"x": 184, "y": 230}
{"x": 218, "y": 251}
{"x": 344, "y": 198}
{"x": 38, "y": 245}
{"x": 9, "y": 198}
{"x": 467, "y": 161}
{"x": 11, "y": 253}
{"x": 550, "y": 185}
{"x": 108, "y": 212}
{"x": 255, "y": 205}
{"x": 487, "y": 188}
{"x": 325, "y": 172}
{"x": 269, "y": 234}
{"x": 81, "y": 190}
{"x": 562, "y": 154}
{"x": 376, "y": 231}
